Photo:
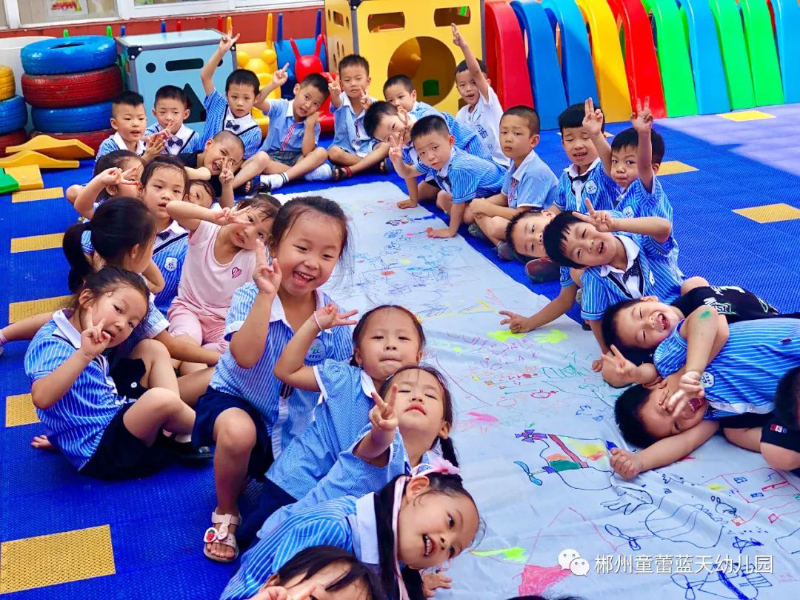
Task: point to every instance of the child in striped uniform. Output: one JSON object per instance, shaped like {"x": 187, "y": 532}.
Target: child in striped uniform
{"x": 115, "y": 174}
{"x": 386, "y": 339}
{"x": 129, "y": 121}
{"x": 101, "y": 432}
{"x": 246, "y": 411}
{"x": 399, "y": 92}
{"x": 321, "y": 572}
{"x": 413, "y": 523}
{"x": 170, "y": 110}
{"x": 701, "y": 392}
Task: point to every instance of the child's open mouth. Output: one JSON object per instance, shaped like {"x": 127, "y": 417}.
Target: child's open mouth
{"x": 301, "y": 278}
{"x": 662, "y": 321}
{"x": 427, "y": 545}
{"x": 696, "y": 404}
{"x": 601, "y": 248}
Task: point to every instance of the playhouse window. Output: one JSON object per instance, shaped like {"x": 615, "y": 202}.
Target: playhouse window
{"x": 386, "y": 22}
{"x": 444, "y": 17}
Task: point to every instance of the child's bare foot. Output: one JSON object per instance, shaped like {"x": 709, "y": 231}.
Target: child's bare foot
{"x": 40, "y": 442}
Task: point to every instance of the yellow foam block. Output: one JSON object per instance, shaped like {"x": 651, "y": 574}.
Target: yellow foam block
{"x": 19, "y": 310}
{"x": 673, "y": 167}
{"x": 45, "y": 560}
{"x": 37, "y": 242}
{"x": 747, "y": 115}
{"x": 33, "y": 195}
{"x": 29, "y": 177}
{"x": 54, "y": 148}
{"x": 29, "y": 157}
{"x": 20, "y": 410}
{"x": 770, "y": 213}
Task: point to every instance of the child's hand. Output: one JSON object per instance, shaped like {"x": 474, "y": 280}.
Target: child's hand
{"x": 276, "y": 592}
{"x": 691, "y": 383}
{"x": 226, "y": 172}
{"x": 366, "y": 101}
{"x": 155, "y": 144}
{"x": 407, "y": 203}
{"x": 457, "y": 39}
{"x": 601, "y": 219}
{"x": 597, "y": 364}
{"x": 431, "y": 581}
{"x": 624, "y": 368}
{"x": 395, "y": 149}
{"x": 642, "y": 119}
{"x": 116, "y": 176}
{"x": 334, "y": 85}
{"x": 329, "y": 316}
{"x": 227, "y": 42}
{"x": 228, "y": 216}
{"x": 593, "y": 119}
{"x": 93, "y": 339}
{"x": 439, "y": 233}
{"x": 516, "y": 323}
{"x": 313, "y": 119}
{"x": 383, "y": 416}
{"x": 281, "y": 76}
{"x": 267, "y": 274}
{"x": 626, "y": 464}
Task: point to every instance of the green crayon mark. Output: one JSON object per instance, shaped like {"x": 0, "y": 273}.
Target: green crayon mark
{"x": 515, "y": 554}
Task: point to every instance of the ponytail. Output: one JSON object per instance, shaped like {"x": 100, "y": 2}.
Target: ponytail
{"x": 79, "y": 265}
{"x": 448, "y": 450}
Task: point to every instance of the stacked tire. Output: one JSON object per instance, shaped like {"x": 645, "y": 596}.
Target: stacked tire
{"x": 13, "y": 112}
{"x": 70, "y": 83}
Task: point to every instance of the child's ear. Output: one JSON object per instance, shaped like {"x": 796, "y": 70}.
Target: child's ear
{"x": 154, "y": 113}
{"x": 419, "y": 355}
{"x": 357, "y": 356}
{"x": 535, "y": 140}
{"x": 444, "y": 432}
{"x": 417, "y": 486}
{"x": 452, "y": 139}
{"x": 114, "y": 125}
{"x": 488, "y": 81}
{"x": 414, "y": 94}
{"x": 186, "y": 114}
{"x": 208, "y": 145}
{"x": 140, "y": 189}
{"x": 649, "y": 299}
{"x": 112, "y": 190}
{"x": 296, "y": 89}
{"x": 656, "y": 167}
{"x": 85, "y": 298}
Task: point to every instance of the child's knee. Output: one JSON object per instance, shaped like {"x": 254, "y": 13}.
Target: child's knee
{"x": 320, "y": 154}
{"x": 236, "y": 435}
{"x": 151, "y": 351}
{"x": 161, "y": 402}
{"x": 780, "y": 458}
{"x": 335, "y": 153}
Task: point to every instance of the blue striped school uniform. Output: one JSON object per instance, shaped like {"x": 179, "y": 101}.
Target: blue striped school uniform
{"x": 349, "y": 476}
{"x": 532, "y": 183}
{"x": 345, "y": 523}
{"x": 744, "y": 375}
{"x": 465, "y": 138}
{"x": 422, "y": 109}
{"x": 286, "y": 411}
{"x": 76, "y": 423}
{"x": 651, "y": 266}
{"x": 348, "y": 129}
{"x": 169, "y": 253}
{"x": 219, "y": 117}
{"x": 114, "y": 143}
{"x": 466, "y": 177}
{"x": 285, "y": 133}
{"x": 338, "y": 420}
{"x": 184, "y": 141}
{"x": 595, "y": 184}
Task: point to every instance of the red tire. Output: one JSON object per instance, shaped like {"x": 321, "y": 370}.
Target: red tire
{"x": 93, "y": 139}
{"x": 75, "y": 89}
{"x": 20, "y": 136}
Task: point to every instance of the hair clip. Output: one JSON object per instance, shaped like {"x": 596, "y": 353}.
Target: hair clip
{"x": 437, "y": 465}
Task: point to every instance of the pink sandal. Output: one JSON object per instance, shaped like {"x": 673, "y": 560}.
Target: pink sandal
{"x": 221, "y": 536}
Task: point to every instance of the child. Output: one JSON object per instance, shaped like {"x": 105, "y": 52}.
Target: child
{"x": 202, "y": 194}
{"x": 399, "y": 92}
{"x": 528, "y": 181}
{"x": 217, "y": 162}
{"x": 233, "y": 111}
{"x": 482, "y": 109}
{"x": 101, "y": 433}
{"x": 115, "y": 174}
{"x": 460, "y": 176}
{"x": 222, "y": 250}
{"x": 615, "y": 267}
{"x": 290, "y": 149}
{"x": 413, "y": 523}
{"x": 735, "y": 391}
{"x": 353, "y": 149}
{"x": 321, "y": 572}
{"x": 386, "y": 339}
{"x": 171, "y": 110}
{"x": 415, "y": 418}
{"x": 129, "y": 120}
{"x": 246, "y": 411}
{"x": 787, "y": 400}
{"x": 388, "y": 123}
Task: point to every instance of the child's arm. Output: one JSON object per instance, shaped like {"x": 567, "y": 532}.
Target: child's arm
{"x": 618, "y": 371}
{"x": 155, "y": 280}
{"x": 554, "y": 309}
{"x": 87, "y": 196}
{"x": 472, "y": 63}
{"x": 593, "y": 124}
{"x": 456, "y": 218}
{"x": 207, "y": 72}
{"x": 226, "y": 176}
{"x": 309, "y": 137}
{"x": 290, "y": 367}
{"x": 247, "y": 344}
{"x": 189, "y": 215}
{"x": 656, "y": 227}
{"x": 186, "y": 352}
{"x": 413, "y": 193}
{"x": 48, "y": 390}
{"x": 279, "y": 77}
{"x": 154, "y": 145}
{"x": 643, "y": 124}
{"x": 664, "y": 452}
{"x": 26, "y": 328}
{"x": 374, "y": 447}
{"x": 495, "y": 206}
{"x": 403, "y": 169}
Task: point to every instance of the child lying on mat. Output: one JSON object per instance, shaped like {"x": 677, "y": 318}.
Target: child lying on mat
{"x": 701, "y": 392}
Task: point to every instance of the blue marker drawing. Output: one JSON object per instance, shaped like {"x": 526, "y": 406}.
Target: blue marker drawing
{"x": 527, "y": 470}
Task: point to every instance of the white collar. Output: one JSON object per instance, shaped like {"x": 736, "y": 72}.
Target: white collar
{"x": 525, "y": 161}
{"x": 277, "y": 313}
{"x": 367, "y": 385}
{"x": 572, "y": 170}
{"x": 244, "y": 123}
{"x": 446, "y": 168}
{"x": 631, "y": 251}
{"x": 347, "y": 102}
{"x": 289, "y": 113}
{"x": 367, "y": 535}
{"x": 65, "y": 327}
{"x": 123, "y": 146}
{"x": 173, "y": 228}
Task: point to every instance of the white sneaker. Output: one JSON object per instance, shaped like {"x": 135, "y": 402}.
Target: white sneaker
{"x": 273, "y": 182}
{"x": 324, "y": 172}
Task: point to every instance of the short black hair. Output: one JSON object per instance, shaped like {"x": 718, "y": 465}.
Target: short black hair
{"x": 555, "y": 234}
{"x": 572, "y": 117}
{"x": 127, "y": 99}
{"x": 429, "y": 124}
{"x": 403, "y": 80}
{"x": 512, "y": 224}
{"x": 310, "y": 561}
{"x": 354, "y": 60}
{"x": 608, "y": 327}
{"x": 462, "y": 66}
{"x": 628, "y": 414}
{"x": 527, "y": 113}
{"x": 787, "y": 398}
{"x": 115, "y": 159}
{"x": 171, "y": 92}
{"x": 375, "y": 114}
{"x": 243, "y": 77}
{"x": 224, "y": 135}
{"x": 629, "y": 138}
{"x": 317, "y": 81}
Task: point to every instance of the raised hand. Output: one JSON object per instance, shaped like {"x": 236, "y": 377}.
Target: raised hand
{"x": 516, "y": 323}
{"x": 433, "y": 580}
{"x": 227, "y": 42}
{"x": 329, "y": 316}
{"x": 93, "y": 339}
{"x": 313, "y": 119}
{"x": 366, "y": 101}
{"x": 624, "y": 368}
{"x": 226, "y": 172}
{"x": 334, "y": 85}
{"x": 457, "y": 39}
{"x": 642, "y": 119}
{"x": 155, "y": 144}
{"x": 229, "y": 216}
{"x": 277, "y": 592}
{"x": 281, "y": 76}
{"x": 626, "y": 464}
{"x": 383, "y": 416}
{"x": 593, "y": 119}
{"x": 603, "y": 221}
{"x": 395, "y": 148}
{"x": 267, "y": 274}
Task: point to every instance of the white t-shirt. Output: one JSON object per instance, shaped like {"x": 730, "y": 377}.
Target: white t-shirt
{"x": 485, "y": 119}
